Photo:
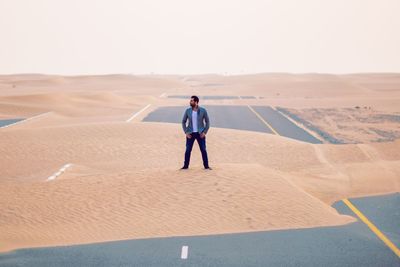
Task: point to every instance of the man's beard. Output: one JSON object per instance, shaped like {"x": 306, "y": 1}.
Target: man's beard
{"x": 193, "y": 105}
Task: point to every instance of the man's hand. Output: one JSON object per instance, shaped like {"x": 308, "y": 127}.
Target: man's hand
{"x": 202, "y": 135}
{"x": 188, "y": 135}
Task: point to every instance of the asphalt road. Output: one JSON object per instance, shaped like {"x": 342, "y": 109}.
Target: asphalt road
{"x": 213, "y": 97}
{"x": 9, "y": 121}
{"x": 384, "y": 213}
{"x": 349, "y": 245}
{"x": 239, "y": 118}
{"x": 284, "y": 126}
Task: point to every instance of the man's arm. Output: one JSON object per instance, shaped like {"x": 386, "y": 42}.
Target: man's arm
{"x": 184, "y": 119}
{"x": 207, "y": 120}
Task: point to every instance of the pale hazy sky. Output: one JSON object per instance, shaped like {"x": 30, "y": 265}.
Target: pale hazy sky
{"x": 203, "y": 36}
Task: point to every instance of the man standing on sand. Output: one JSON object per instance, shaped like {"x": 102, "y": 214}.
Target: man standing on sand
{"x": 195, "y": 130}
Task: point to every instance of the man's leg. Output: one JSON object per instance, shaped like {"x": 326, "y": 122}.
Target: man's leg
{"x": 189, "y": 146}
{"x": 202, "y": 145}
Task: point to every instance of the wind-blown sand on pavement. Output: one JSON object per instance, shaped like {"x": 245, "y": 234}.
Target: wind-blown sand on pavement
{"x": 124, "y": 180}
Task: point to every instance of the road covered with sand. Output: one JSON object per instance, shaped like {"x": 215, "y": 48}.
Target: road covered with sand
{"x": 115, "y": 177}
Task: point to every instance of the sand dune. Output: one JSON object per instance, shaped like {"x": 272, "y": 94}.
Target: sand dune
{"x": 89, "y": 206}
{"x": 124, "y": 180}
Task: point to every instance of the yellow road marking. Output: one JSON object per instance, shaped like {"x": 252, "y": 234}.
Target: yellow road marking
{"x": 266, "y": 123}
{"x": 373, "y": 227}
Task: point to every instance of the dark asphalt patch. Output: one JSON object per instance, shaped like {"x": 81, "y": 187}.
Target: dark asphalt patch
{"x": 206, "y": 97}
{"x": 231, "y": 117}
{"x": 284, "y": 126}
{"x": 349, "y": 245}
{"x": 9, "y": 121}
{"x": 384, "y": 213}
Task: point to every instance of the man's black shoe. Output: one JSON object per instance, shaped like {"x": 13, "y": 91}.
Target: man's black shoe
{"x": 208, "y": 168}
{"x": 184, "y": 168}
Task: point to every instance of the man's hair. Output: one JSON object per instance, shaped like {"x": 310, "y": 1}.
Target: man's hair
{"x": 195, "y": 98}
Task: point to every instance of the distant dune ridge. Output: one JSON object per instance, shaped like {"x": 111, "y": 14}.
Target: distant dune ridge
{"x": 124, "y": 181}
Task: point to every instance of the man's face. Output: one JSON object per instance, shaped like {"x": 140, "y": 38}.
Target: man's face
{"x": 192, "y": 103}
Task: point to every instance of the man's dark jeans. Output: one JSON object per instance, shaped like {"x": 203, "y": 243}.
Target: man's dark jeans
{"x": 189, "y": 146}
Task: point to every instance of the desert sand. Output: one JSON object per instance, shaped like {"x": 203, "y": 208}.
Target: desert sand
{"x": 124, "y": 182}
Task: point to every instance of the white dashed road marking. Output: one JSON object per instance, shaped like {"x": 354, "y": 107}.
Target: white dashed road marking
{"x": 34, "y": 117}
{"x": 137, "y": 113}
{"x": 63, "y": 168}
{"x": 184, "y": 253}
